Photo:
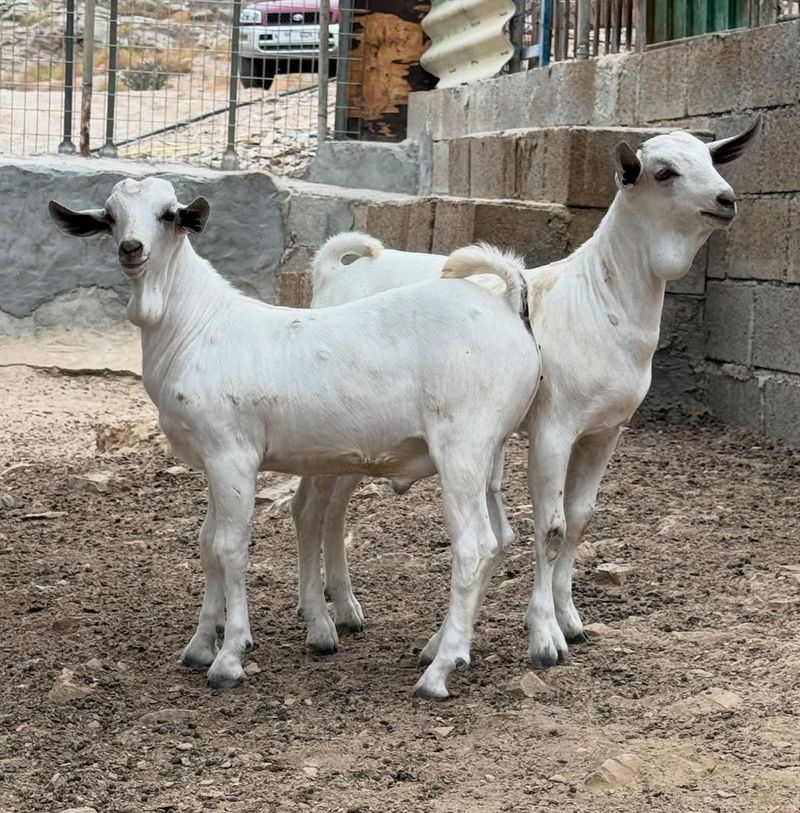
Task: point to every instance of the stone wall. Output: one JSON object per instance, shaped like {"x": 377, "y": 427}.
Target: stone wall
{"x": 745, "y": 290}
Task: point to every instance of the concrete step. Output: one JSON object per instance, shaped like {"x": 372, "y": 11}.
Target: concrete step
{"x": 541, "y": 232}
{"x": 573, "y": 166}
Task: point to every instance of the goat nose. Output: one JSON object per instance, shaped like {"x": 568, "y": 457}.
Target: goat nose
{"x": 130, "y": 247}
{"x": 727, "y": 200}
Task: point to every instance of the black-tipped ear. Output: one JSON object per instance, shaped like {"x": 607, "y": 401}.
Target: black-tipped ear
{"x": 729, "y": 149}
{"x": 629, "y": 167}
{"x": 194, "y": 216}
{"x": 79, "y": 224}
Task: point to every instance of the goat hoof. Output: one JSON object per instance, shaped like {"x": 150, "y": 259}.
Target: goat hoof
{"x": 579, "y": 638}
{"x": 423, "y": 659}
{"x": 224, "y": 682}
{"x": 195, "y": 663}
{"x": 352, "y": 627}
{"x": 249, "y": 646}
{"x": 327, "y": 595}
{"x": 322, "y": 649}
{"x": 543, "y": 660}
{"x": 220, "y": 630}
{"x": 461, "y": 665}
{"x": 423, "y": 693}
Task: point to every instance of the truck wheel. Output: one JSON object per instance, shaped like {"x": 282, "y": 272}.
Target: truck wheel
{"x": 256, "y": 73}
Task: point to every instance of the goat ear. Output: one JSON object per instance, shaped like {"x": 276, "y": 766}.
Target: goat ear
{"x": 79, "y": 224}
{"x": 628, "y": 165}
{"x": 729, "y": 149}
{"x": 194, "y": 216}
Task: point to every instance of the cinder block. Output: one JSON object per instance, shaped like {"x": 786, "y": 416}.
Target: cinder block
{"x": 772, "y": 164}
{"x": 441, "y": 168}
{"x": 757, "y": 246}
{"x": 458, "y": 167}
{"x": 422, "y": 112}
{"x": 453, "y": 225}
{"x": 542, "y": 165}
{"x": 734, "y": 397}
{"x": 793, "y": 235}
{"x": 295, "y": 289}
{"x": 572, "y": 85}
{"x": 314, "y": 218}
{"x": 406, "y": 226}
{"x": 539, "y": 233}
{"x": 512, "y": 109}
{"x": 677, "y": 365}
{"x": 483, "y": 108}
{"x": 776, "y": 338}
{"x": 729, "y": 320}
{"x": 663, "y": 85}
{"x": 770, "y": 58}
{"x": 715, "y": 74}
{"x": 492, "y": 166}
{"x": 583, "y": 224}
{"x": 717, "y": 252}
{"x": 782, "y": 408}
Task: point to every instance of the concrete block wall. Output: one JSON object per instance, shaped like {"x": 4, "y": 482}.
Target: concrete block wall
{"x": 742, "y": 299}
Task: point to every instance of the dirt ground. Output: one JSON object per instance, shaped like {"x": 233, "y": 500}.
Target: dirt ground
{"x": 691, "y": 687}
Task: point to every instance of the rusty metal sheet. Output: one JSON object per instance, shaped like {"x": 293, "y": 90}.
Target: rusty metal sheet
{"x": 468, "y": 39}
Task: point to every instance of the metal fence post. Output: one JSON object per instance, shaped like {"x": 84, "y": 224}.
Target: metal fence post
{"x": 582, "y": 30}
{"x": 641, "y": 24}
{"x": 322, "y": 98}
{"x": 230, "y": 160}
{"x": 516, "y": 27}
{"x": 88, "y": 70}
{"x": 343, "y": 67}
{"x": 108, "y": 150}
{"x": 66, "y": 146}
{"x": 545, "y": 31}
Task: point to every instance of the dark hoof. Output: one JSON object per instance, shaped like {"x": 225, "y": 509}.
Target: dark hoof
{"x": 195, "y": 664}
{"x": 220, "y": 630}
{"x": 249, "y": 646}
{"x": 424, "y": 660}
{"x": 349, "y": 629}
{"x": 424, "y": 694}
{"x": 461, "y": 665}
{"x": 562, "y": 657}
{"x": 543, "y": 660}
{"x": 322, "y": 650}
{"x": 580, "y": 638}
{"x": 224, "y": 683}
{"x": 327, "y": 595}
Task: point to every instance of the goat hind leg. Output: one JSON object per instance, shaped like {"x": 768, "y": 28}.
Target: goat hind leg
{"x": 347, "y": 611}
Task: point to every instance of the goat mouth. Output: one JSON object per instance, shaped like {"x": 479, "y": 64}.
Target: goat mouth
{"x": 133, "y": 268}
{"x": 719, "y": 218}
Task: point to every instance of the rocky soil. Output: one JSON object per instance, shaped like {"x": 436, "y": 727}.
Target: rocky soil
{"x": 687, "y": 697}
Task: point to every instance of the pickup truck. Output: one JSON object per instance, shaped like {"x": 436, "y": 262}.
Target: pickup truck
{"x": 282, "y": 36}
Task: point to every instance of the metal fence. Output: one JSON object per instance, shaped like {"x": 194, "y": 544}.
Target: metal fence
{"x": 217, "y": 83}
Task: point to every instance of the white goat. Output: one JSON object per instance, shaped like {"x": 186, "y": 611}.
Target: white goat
{"x": 422, "y": 379}
{"x": 596, "y": 315}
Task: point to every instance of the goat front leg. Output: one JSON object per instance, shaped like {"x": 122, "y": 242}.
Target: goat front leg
{"x": 588, "y": 464}
{"x": 308, "y": 510}
{"x": 346, "y": 609}
{"x": 548, "y": 460}
{"x": 475, "y": 550}
{"x": 232, "y": 485}
{"x": 202, "y": 649}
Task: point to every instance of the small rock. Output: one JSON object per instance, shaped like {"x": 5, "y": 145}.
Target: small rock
{"x": 57, "y": 781}
{"x": 492, "y": 658}
{"x": 598, "y": 630}
{"x": 311, "y": 771}
{"x": 368, "y": 491}
{"x": 184, "y": 746}
{"x": 168, "y": 716}
{"x": 443, "y": 731}
{"x": 280, "y": 491}
{"x": 95, "y": 664}
{"x": 611, "y": 574}
{"x": 521, "y": 512}
{"x": 528, "y": 685}
{"x": 252, "y": 668}
{"x": 65, "y": 689}
{"x": 559, "y": 779}
{"x": 45, "y": 515}
{"x": 614, "y": 772}
{"x": 68, "y": 623}
{"x": 177, "y": 471}
{"x": 79, "y": 810}
{"x": 97, "y": 482}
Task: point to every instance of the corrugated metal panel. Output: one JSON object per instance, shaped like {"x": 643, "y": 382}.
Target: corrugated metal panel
{"x": 468, "y": 40}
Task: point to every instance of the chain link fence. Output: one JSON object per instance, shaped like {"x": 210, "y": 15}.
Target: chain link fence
{"x": 207, "y": 82}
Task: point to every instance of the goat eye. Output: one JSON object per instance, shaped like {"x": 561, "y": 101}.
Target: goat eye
{"x": 168, "y": 217}
{"x": 665, "y": 174}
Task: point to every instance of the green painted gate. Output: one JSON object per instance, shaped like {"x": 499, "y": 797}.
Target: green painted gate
{"x": 676, "y": 19}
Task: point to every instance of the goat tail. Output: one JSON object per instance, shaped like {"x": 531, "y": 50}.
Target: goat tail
{"x": 335, "y": 249}
{"x": 485, "y": 259}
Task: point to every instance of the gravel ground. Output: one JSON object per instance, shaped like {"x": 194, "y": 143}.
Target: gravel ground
{"x": 687, "y": 698}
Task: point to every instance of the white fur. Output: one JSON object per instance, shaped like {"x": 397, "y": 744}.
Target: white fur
{"x": 423, "y": 379}
{"x": 596, "y": 315}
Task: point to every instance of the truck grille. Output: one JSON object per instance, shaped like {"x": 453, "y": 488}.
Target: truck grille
{"x": 287, "y": 18}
